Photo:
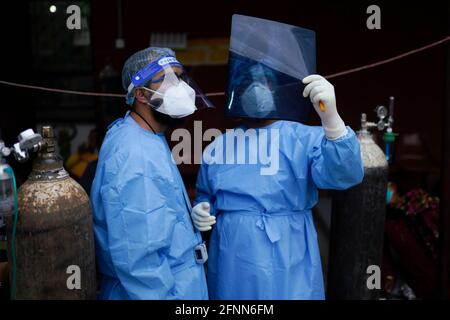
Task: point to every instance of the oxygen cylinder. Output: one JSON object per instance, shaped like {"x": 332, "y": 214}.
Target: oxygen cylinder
{"x": 54, "y": 244}
{"x": 357, "y": 228}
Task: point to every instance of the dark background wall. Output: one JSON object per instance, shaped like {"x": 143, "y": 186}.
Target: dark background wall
{"x": 419, "y": 82}
{"x": 343, "y": 42}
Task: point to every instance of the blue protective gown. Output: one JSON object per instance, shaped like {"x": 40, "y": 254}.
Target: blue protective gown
{"x": 143, "y": 232}
{"x": 264, "y": 244}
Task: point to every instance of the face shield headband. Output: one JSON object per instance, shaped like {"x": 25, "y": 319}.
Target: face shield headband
{"x": 149, "y": 71}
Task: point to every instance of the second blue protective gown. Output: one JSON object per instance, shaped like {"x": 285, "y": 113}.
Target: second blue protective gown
{"x": 264, "y": 244}
{"x": 144, "y": 236}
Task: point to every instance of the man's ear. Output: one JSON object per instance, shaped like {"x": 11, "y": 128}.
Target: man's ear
{"x": 140, "y": 96}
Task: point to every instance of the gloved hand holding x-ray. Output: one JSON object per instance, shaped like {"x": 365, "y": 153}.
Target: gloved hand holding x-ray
{"x": 321, "y": 91}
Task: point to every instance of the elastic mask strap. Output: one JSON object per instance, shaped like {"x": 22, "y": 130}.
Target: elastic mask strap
{"x": 157, "y": 102}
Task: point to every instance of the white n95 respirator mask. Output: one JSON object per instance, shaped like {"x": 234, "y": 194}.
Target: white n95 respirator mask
{"x": 257, "y": 100}
{"x": 177, "y": 101}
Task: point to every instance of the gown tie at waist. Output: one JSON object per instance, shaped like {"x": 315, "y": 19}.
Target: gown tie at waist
{"x": 263, "y": 223}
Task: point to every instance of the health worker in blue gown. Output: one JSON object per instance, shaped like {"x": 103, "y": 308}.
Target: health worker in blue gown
{"x": 146, "y": 245}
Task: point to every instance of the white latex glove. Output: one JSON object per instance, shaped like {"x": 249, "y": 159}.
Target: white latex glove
{"x": 320, "y": 90}
{"x": 203, "y": 220}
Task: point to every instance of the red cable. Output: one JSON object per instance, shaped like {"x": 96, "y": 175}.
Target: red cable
{"x": 213, "y": 94}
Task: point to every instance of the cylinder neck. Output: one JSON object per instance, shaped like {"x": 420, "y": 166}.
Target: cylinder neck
{"x": 48, "y": 161}
{"x": 48, "y": 146}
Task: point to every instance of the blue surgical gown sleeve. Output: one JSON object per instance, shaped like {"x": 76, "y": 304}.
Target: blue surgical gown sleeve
{"x": 336, "y": 164}
{"x": 140, "y": 226}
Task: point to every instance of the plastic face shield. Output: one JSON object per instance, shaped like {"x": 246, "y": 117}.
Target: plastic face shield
{"x": 267, "y": 62}
{"x": 162, "y": 74}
